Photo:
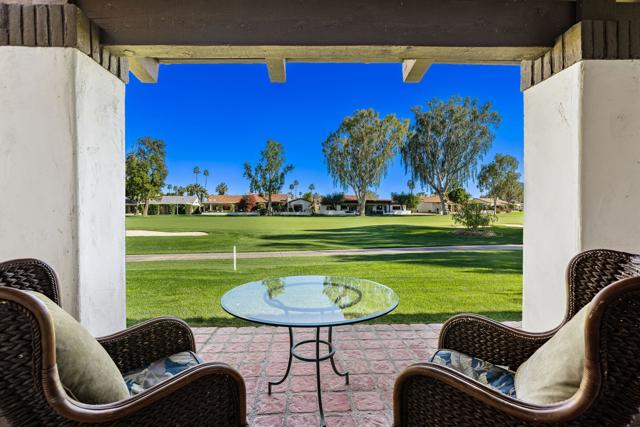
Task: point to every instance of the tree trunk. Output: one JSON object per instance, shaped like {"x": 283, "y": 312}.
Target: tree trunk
{"x": 495, "y": 205}
{"x": 443, "y": 205}
{"x": 145, "y": 211}
{"x": 269, "y": 207}
{"x": 363, "y": 205}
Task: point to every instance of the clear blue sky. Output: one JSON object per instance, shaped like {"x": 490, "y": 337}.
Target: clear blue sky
{"x": 219, "y": 116}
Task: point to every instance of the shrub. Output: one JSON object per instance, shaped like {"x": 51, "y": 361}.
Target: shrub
{"x": 411, "y": 201}
{"x": 333, "y": 199}
{"x": 459, "y": 195}
{"x": 473, "y": 216}
{"x": 248, "y": 203}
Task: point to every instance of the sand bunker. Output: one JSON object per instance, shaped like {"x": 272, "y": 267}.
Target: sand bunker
{"x": 148, "y": 233}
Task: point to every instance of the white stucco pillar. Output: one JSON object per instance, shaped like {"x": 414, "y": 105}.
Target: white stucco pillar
{"x": 582, "y": 176}
{"x": 62, "y": 176}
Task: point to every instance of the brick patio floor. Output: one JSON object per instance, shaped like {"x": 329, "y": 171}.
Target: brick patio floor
{"x": 373, "y": 355}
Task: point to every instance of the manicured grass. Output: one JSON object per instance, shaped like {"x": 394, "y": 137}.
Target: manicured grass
{"x": 511, "y": 218}
{"x": 432, "y": 287}
{"x": 251, "y": 234}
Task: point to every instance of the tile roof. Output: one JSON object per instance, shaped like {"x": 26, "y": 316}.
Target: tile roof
{"x": 224, "y": 198}
{"x": 430, "y": 199}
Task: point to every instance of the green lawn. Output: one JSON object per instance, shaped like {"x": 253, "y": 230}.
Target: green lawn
{"x": 306, "y": 233}
{"x": 432, "y": 287}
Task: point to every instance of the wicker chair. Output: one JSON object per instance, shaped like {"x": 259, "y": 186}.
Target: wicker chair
{"x": 427, "y": 394}
{"x": 30, "y": 390}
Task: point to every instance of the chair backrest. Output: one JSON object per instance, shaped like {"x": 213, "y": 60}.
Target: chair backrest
{"x": 30, "y": 274}
{"x": 591, "y": 271}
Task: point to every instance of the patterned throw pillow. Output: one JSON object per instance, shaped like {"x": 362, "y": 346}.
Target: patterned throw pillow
{"x": 160, "y": 370}
{"x": 494, "y": 376}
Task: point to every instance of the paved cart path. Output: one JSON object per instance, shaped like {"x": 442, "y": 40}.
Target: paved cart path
{"x": 328, "y": 252}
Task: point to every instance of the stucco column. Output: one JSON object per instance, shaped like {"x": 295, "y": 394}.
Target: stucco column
{"x": 62, "y": 165}
{"x": 582, "y": 176}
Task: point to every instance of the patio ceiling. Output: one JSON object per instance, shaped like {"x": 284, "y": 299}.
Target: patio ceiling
{"x": 413, "y": 32}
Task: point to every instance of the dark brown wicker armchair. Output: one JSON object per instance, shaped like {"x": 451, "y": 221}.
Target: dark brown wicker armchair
{"x": 30, "y": 390}
{"x": 426, "y": 394}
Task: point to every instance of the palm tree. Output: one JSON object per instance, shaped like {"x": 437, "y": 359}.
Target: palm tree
{"x": 411, "y": 186}
{"x": 292, "y": 193}
{"x": 169, "y": 188}
{"x": 206, "y": 176}
{"x": 312, "y": 188}
{"x": 222, "y": 188}
{"x": 295, "y": 185}
{"x": 196, "y": 171}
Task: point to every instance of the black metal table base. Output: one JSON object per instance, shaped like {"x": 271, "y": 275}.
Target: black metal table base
{"x": 317, "y": 359}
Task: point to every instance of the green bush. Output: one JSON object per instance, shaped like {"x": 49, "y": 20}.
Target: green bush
{"x": 473, "y": 216}
{"x": 411, "y": 201}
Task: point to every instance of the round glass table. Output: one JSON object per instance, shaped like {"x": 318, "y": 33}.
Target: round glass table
{"x": 310, "y": 302}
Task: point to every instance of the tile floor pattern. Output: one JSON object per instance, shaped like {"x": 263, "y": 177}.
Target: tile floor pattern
{"x": 373, "y": 354}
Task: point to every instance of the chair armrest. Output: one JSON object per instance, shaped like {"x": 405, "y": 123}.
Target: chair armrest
{"x": 142, "y": 344}
{"x": 211, "y": 394}
{"x": 426, "y": 394}
{"x": 490, "y": 340}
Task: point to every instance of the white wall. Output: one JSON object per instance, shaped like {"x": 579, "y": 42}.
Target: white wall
{"x": 62, "y": 176}
{"x": 582, "y": 158}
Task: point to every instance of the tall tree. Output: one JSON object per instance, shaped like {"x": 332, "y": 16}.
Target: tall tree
{"x": 446, "y": 142}
{"x": 500, "y": 179}
{"x": 411, "y": 185}
{"x": 196, "y": 190}
{"x": 146, "y": 171}
{"x": 459, "y": 195}
{"x": 222, "y": 189}
{"x": 205, "y": 173}
{"x": 196, "y": 172}
{"x": 312, "y": 188}
{"x": 359, "y": 152}
{"x": 295, "y": 186}
{"x": 267, "y": 177}
{"x": 292, "y": 192}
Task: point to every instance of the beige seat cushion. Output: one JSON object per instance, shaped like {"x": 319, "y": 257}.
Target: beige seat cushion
{"x": 554, "y": 372}
{"x": 86, "y": 370}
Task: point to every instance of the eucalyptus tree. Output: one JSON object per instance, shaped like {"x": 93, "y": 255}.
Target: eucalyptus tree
{"x": 500, "y": 179}
{"x": 446, "y": 141}
{"x": 358, "y": 153}
{"x": 146, "y": 171}
{"x": 268, "y": 175}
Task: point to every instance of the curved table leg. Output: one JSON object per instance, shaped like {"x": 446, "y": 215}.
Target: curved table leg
{"x": 286, "y": 374}
{"x": 333, "y": 363}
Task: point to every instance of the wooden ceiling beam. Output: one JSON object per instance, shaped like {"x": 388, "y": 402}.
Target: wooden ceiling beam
{"x": 413, "y": 70}
{"x": 277, "y": 68}
{"x": 145, "y": 69}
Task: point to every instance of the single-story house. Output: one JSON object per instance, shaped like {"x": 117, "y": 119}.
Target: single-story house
{"x": 349, "y": 206}
{"x": 299, "y": 205}
{"x": 130, "y": 206}
{"x": 230, "y": 202}
{"x": 166, "y": 203}
{"x": 502, "y": 205}
{"x": 222, "y": 203}
{"x": 431, "y": 204}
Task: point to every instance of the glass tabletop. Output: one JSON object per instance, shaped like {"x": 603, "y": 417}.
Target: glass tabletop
{"x": 309, "y": 301}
